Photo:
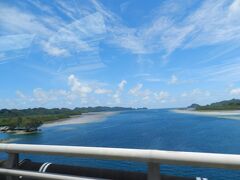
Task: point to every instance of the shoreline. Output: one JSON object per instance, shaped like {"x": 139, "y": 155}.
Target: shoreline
{"x": 8, "y": 140}
{"x": 84, "y": 118}
{"x": 224, "y": 114}
{"x": 217, "y": 112}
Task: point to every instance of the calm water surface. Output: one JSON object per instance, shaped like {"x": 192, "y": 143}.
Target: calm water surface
{"x": 146, "y": 129}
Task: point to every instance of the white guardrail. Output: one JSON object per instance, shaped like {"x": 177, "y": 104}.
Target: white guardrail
{"x": 152, "y": 157}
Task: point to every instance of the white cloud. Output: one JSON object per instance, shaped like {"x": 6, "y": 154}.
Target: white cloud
{"x": 162, "y": 95}
{"x": 103, "y": 91}
{"x": 79, "y": 36}
{"x": 235, "y": 7}
{"x": 235, "y": 91}
{"x": 117, "y": 94}
{"x": 122, "y": 84}
{"x": 135, "y": 90}
{"x": 140, "y": 95}
{"x": 78, "y": 92}
{"x": 196, "y": 93}
{"x": 2, "y": 57}
{"x": 145, "y": 95}
{"x": 40, "y": 95}
{"x": 16, "y": 42}
{"x": 212, "y": 23}
{"x": 53, "y": 50}
{"x": 124, "y": 6}
{"x": 20, "y": 94}
{"x": 77, "y": 87}
{"x": 56, "y": 36}
{"x": 227, "y": 70}
{"x": 154, "y": 79}
{"x": 173, "y": 79}
{"x": 184, "y": 94}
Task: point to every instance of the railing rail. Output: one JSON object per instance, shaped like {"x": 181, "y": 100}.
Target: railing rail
{"x": 152, "y": 157}
{"x": 37, "y": 175}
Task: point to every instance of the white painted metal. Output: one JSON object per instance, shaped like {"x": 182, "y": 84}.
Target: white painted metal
{"x": 45, "y": 168}
{"x": 228, "y": 161}
{"x": 37, "y": 175}
{"x": 42, "y": 166}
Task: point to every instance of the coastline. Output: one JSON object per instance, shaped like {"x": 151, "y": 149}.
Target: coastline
{"x": 226, "y": 114}
{"x": 8, "y": 140}
{"x": 84, "y": 118}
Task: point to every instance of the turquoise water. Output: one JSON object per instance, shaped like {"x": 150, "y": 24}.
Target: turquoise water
{"x": 147, "y": 129}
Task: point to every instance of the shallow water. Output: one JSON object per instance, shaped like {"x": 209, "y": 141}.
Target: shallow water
{"x": 146, "y": 129}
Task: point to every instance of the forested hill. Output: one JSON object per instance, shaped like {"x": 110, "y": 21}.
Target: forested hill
{"x": 33, "y": 118}
{"x": 233, "y": 104}
{"x": 56, "y": 111}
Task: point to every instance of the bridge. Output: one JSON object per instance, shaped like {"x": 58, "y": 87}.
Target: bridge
{"x": 12, "y": 168}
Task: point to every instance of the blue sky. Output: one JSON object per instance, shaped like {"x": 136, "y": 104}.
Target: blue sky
{"x": 157, "y": 54}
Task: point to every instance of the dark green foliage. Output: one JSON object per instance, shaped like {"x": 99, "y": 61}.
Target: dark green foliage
{"x": 194, "y": 106}
{"x": 33, "y": 118}
{"x": 233, "y": 104}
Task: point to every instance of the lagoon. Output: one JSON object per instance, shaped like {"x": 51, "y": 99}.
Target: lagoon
{"x": 161, "y": 129}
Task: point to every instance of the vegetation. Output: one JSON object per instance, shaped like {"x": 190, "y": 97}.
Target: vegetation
{"x": 233, "y": 104}
{"x": 28, "y": 119}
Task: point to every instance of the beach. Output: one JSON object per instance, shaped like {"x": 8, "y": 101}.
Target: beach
{"x": 226, "y": 114}
{"x": 82, "y": 119}
{"x": 214, "y": 113}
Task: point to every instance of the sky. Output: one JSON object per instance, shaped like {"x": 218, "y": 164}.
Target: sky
{"x": 155, "y": 54}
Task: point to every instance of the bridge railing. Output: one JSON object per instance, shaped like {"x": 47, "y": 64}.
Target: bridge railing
{"x": 153, "y": 158}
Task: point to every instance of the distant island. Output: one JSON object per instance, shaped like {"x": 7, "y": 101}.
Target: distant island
{"x": 29, "y": 120}
{"x": 228, "y": 109}
{"x": 233, "y": 104}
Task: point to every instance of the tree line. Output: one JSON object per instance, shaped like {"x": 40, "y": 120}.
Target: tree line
{"x": 35, "y": 117}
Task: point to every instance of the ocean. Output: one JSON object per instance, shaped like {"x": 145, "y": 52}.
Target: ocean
{"x": 160, "y": 129}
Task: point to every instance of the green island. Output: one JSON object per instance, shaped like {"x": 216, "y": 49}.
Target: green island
{"x": 29, "y": 120}
{"x": 233, "y": 104}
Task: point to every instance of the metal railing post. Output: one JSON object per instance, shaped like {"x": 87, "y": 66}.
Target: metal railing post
{"x": 12, "y": 162}
{"x": 153, "y": 171}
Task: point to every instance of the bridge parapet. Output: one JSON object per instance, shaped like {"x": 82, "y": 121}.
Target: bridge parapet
{"x": 153, "y": 158}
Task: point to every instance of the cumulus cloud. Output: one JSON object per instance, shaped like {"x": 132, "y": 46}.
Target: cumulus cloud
{"x": 122, "y": 84}
{"x": 77, "y": 87}
{"x": 43, "y": 96}
{"x": 235, "y": 91}
{"x": 20, "y": 95}
{"x": 78, "y": 92}
{"x": 162, "y": 95}
{"x": 135, "y": 90}
{"x": 117, "y": 94}
{"x": 146, "y": 95}
{"x": 40, "y": 95}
